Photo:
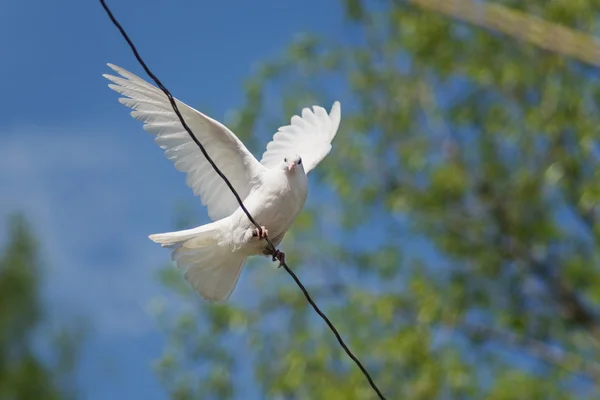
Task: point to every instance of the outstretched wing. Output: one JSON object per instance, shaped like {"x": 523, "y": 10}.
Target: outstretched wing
{"x": 308, "y": 136}
{"x": 152, "y": 107}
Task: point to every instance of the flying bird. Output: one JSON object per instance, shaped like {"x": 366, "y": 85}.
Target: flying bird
{"x": 273, "y": 190}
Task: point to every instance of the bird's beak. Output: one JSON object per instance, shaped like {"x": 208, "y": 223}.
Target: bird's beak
{"x": 291, "y": 167}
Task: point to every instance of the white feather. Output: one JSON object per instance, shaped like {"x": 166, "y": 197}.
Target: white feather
{"x": 212, "y": 271}
{"x": 310, "y": 137}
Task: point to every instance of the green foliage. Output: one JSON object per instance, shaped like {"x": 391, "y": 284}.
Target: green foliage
{"x": 24, "y": 374}
{"x": 458, "y": 249}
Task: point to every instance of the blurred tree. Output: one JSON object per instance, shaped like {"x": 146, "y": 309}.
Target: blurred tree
{"x": 24, "y": 373}
{"x": 455, "y": 240}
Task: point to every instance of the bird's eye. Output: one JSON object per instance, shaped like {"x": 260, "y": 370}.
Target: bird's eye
{"x": 299, "y": 161}
{"x": 285, "y": 159}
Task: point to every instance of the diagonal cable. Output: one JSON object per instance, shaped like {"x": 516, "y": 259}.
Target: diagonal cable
{"x": 272, "y": 249}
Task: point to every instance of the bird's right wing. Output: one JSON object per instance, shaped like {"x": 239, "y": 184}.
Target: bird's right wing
{"x": 152, "y": 107}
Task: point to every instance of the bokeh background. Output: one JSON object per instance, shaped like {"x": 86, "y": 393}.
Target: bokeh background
{"x": 451, "y": 235}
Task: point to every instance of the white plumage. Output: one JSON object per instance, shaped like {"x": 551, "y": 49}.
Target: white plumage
{"x": 273, "y": 190}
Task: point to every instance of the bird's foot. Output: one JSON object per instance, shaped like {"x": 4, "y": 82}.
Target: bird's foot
{"x": 261, "y": 233}
{"x": 279, "y": 255}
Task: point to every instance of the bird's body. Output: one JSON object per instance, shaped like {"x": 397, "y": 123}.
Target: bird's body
{"x": 274, "y": 204}
{"x": 273, "y": 191}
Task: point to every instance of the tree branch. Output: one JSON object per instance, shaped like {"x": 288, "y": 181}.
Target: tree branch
{"x": 528, "y": 28}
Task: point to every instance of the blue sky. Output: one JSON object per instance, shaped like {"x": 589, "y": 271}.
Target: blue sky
{"x": 90, "y": 180}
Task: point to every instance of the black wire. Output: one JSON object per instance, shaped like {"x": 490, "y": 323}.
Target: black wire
{"x": 272, "y": 248}
{"x": 336, "y": 333}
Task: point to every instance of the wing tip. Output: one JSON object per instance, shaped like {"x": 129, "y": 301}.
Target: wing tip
{"x": 336, "y": 107}
{"x": 109, "y": 77}
{"x": 336, "y": 116}
{"x": 113, "y": 67}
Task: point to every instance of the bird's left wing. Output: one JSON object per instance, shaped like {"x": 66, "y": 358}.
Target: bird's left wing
{"x": 308, "y": 136}
{"x": 151, "y": 106}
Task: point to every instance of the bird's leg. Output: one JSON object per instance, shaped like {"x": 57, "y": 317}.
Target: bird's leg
{"x": 261, "y": 233}
{"x": 279, "y": 255}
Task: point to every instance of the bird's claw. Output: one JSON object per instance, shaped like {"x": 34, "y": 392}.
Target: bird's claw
{"x": 279, "y": 255}
{"x": 261, "y": 233}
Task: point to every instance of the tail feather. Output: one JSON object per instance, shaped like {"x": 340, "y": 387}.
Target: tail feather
{"x": 212, "y": 270}
{"x": 202, "y": 234}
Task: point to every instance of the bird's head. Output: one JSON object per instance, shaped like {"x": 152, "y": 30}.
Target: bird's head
{"x": 292, "y": 162}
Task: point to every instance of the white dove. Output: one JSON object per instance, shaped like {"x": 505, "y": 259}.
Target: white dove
{"x": 273, "y": 190}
